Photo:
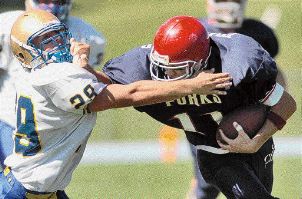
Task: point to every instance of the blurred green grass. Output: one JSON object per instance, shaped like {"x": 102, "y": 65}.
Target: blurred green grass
{"x": 127, "y": 24}
{"x": 154, "y": 181}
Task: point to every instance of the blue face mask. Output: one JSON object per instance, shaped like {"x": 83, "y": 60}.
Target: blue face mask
{"x": 60, "y": 42}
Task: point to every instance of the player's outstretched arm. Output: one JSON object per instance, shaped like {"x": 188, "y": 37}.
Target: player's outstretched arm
{"x": 149, "y": 92}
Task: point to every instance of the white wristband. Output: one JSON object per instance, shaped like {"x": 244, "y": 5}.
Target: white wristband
{"x": 273, "y": 97}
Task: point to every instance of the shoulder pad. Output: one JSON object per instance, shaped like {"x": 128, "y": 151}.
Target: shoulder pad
{"x": 57, "y": 72}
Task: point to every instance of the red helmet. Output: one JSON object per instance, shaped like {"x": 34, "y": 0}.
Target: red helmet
{"x": 181, "y": 43}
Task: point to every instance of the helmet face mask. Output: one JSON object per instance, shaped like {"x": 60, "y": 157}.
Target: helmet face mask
{"x": 226, "y": 13}
{"x": 162, "y": 70}
{"x": 59, "y": 40}
{"x": 59, "y": 8}
{"x": 47, "y": 42}
{"x": 181, "y": 48}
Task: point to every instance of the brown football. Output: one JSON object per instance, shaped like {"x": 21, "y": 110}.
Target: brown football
{"x": 251, "y": 118}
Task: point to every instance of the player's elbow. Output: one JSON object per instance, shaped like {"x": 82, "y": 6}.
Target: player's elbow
{"x": 292, "y": 105}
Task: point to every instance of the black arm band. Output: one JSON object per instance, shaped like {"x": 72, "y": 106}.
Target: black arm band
{"x": 278, "y": 121}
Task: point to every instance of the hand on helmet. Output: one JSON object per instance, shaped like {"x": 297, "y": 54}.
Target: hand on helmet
{"x": 212, "y": 83}
{"x": 80, "y": 52}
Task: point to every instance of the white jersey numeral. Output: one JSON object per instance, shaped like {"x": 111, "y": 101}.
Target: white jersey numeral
{"x": 188, "y": 124}
{"x": 147, "y": 46}
{"x": 222, "y": 35}
{"x": 23, "y": 115}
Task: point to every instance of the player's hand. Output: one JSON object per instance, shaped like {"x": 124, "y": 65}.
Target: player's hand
{"x": 241, "y": 144}
{"x": 212, "y": 83}
{"x": 80, "y": 52}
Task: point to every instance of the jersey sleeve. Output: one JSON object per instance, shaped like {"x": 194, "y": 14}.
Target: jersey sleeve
{"x": 260, "y": 81}
{"x": 262, "y": 33}
{"x": 253, "y": 70}
{"x": 74, "y": 89}
{"x": 76, "y": 94}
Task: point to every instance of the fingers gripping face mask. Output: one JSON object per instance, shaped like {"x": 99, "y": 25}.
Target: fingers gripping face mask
{"x": 60, "y": 52}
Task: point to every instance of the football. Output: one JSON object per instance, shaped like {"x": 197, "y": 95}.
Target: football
{"x": 251, "y": 118}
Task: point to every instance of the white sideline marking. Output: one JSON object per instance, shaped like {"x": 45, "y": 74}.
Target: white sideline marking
{"x": 149, "y": 151}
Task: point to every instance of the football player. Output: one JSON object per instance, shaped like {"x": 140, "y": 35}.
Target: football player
{"x": 227, "y": 16}
{"x": 57, "y": 103}
{"x": 80, "y": 30}
{"x": 181, "y": 49}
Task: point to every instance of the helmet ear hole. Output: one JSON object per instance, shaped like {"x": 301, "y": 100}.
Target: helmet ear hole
{"x": 21, "y": 57}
